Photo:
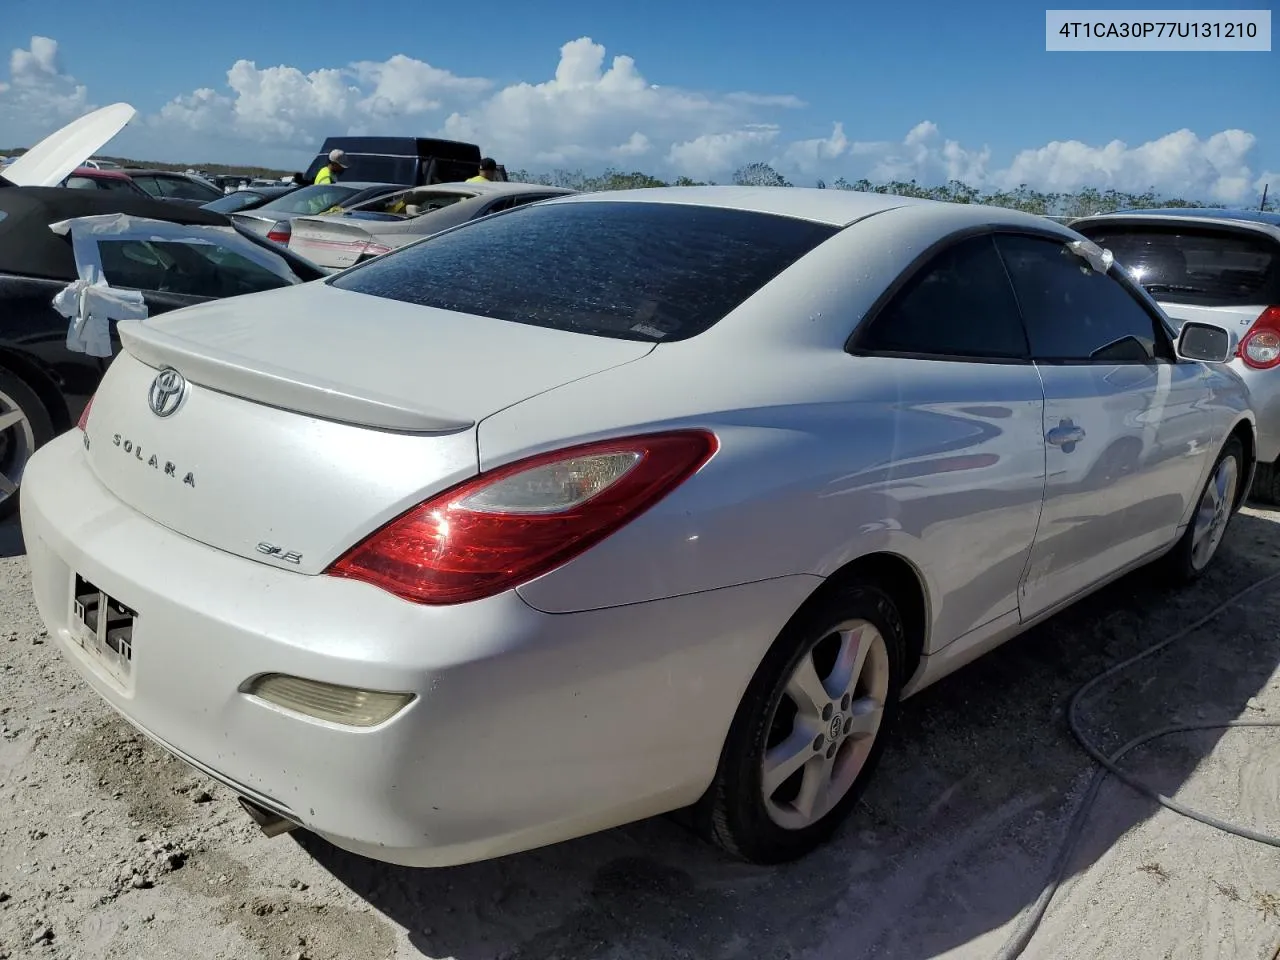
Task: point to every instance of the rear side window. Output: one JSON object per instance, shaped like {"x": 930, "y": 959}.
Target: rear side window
{"x": 636, "y": 271}
{"x": 1194, "y": 265}
{"x": 191, "y": 269}
{"x": 959, "y": 305}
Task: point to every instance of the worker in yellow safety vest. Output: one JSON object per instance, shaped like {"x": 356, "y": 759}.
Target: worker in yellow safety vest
{"x": 330, "y": 172}
{"x": 488, "y": 171}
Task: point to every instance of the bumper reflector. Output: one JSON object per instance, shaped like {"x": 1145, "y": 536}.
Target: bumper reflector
{"x": 349, "y": 706}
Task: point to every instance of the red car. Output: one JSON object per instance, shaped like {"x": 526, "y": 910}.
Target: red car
{"x": 91, "y": 178}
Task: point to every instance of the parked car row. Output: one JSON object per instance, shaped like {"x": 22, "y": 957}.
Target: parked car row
{"x": 601, "y": 506}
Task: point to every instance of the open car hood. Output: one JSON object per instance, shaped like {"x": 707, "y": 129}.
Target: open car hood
{"x": 53, "y": 159}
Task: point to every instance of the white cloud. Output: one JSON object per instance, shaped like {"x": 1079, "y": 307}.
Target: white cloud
{"x": 39, "y": 88}
{"x": 1180, "y": 162}
{"x": 595, "y": 110}
{"x": 717, "y": 154}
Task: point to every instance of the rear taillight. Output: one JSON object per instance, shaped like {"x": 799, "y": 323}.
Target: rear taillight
{"x": 1260, "y": 347}
{"x": 280, "y": 231}
{"x": 513, "y": 524}
{"x": 375, "y": 249}
{"x": 84, "y": 415}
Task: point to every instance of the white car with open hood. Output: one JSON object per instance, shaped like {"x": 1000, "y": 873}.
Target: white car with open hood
{"x": 618, "y": 503}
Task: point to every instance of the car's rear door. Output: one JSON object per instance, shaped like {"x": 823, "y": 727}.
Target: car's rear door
{"x": 1124, "y": 423}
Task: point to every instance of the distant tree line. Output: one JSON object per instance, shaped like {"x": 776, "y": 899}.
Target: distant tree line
{"x": 1078, "y": 204}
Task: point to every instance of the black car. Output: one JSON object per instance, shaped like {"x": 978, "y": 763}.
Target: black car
{"x": 44, "y": 386}
{"x": 173, "y": 186}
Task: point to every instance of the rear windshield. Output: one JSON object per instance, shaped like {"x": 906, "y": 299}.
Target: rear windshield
{"x": 233, "y": 201}
{"x": 311, "y": 200}
{"x": 656, "y": 272}
{"x": 1196, "y": 265}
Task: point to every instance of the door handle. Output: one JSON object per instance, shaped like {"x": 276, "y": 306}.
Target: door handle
{"x": 1065, "y": 435}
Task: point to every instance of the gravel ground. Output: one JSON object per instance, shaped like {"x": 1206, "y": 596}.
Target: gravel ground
{"x": 109, "y": 849}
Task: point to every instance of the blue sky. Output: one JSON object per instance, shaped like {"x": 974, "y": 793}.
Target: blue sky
{"x": 983, "y": 78}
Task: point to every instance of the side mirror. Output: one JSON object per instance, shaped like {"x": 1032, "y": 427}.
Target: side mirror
{"x": 1206, "y": 342}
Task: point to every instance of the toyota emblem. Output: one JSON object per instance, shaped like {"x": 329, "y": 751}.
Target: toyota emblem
{"x": 166, "y": 393}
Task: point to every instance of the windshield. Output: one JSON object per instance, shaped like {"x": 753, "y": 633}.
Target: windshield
{"x": 310, "y": 200}
{"x": 636, "y": 271}
{"x": 1193, "y": 264}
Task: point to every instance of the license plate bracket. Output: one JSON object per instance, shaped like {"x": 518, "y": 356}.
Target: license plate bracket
{"x": 103, "y": 627}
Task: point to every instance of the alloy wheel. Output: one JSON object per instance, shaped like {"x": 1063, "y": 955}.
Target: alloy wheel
{"x": 824, "y": 724}
{"x": 17, "y": 443}
{"x": 1214, "y": 512}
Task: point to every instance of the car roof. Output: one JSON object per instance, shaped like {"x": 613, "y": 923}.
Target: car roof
{"x": 1216, "y": 213}
{"x": 147, "y": 171}
{"x": 836, "y": 208}
{"x": 99, "y": 173}
{"x": 1256, "y": 220}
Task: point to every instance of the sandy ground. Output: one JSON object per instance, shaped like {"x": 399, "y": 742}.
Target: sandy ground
{"x": 110, "y": 850}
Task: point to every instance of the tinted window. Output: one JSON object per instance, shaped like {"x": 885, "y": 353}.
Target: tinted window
{"x": 193, "y": 269}
{"x": 232, "y": 202}
{"x": 636, "y": 271}
{"x": 1196, "y": 265}
{"x": 81, "y": 183}
{"x": 181, "y": 188}
{"x": 149, "y": 185}
{"x": 1071, "y": 311}
{"x": 959, "y": 305}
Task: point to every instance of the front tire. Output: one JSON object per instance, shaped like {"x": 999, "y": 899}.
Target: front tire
{"x": 1214, "y": 510}
{"x": 810, "y": 729}
{"x": 25, "y": 426}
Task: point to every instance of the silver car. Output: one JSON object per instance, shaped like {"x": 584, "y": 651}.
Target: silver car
{"x": 1221, "y": 266}
{"x": 338, "y": 240}
{"x": 616, "y": 504}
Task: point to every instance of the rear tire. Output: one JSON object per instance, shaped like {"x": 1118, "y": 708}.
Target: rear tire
{"x": 810, "y": 729}
{"x": 25, "y": 426}
{"x": 1214, "y": 509}
{"x": 1266, "y": 484}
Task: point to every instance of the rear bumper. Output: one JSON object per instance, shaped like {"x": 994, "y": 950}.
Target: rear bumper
{"x": 527, "y": 728}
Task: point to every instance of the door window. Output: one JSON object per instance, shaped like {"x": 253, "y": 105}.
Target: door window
{"x": 1072, "y": 312}
{"x": 960, "y": 305}
{"x": 191, "y": 269}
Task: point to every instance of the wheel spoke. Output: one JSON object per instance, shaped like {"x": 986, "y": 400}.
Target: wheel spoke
{"x": 10, "y": 419}
{"x": 854, "y": 645}
{"x": 814, "y": 787}
{"x": 7, "y": 486}
{"x": 806, "y": 689}
{"x": 782, "y": 761}
{"x": 866, "y": 717}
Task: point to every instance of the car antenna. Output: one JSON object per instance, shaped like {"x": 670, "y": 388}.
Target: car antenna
{"x": 1262, "y": 207}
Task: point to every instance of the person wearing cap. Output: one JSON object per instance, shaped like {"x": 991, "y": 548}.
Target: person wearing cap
{"x": 330, "y": 172}
{"x": 488, "y": 171}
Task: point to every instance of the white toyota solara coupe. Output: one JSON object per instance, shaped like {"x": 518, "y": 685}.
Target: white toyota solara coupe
{"x": 617, "y": 504}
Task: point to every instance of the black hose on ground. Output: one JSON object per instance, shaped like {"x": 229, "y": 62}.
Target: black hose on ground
{"x": 1030, "y": 922}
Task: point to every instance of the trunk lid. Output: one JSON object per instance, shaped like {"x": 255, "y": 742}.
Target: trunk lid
{"x": 53, "y": 159}
{"x": 310, "y": 419}
{"x": 331, "y": 243}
